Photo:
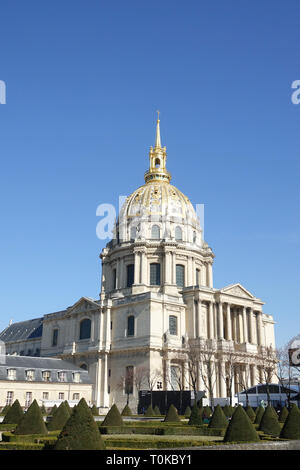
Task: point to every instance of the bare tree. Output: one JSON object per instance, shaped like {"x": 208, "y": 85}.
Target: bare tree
{"x": 193, "y": 365}
{"x": 207, "y": 367}
{"x": 126, "y": 383}
{"x": 231, "y": 359}
{"x": 244, "y": 380}
{"x": 267, "y": 364}
{"x": 285, "y": 372}
{"x": 151, "y": 378}
{"x": 177, "y": 382}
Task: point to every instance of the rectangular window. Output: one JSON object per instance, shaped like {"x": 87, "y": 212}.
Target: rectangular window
{"x": 11, "y": 374}
{"x": 75, "y": 396}
{"x": 45, "y": 396}
{"x": 76, "y": 377}
{"x": 61, "y": 396}
{"x": 46, "y": 374}
{"x": 30, "y": 375}
{"x": 179, "y": 275}
{"x": 130, "y": 275}
{"x": 154, "y": 274}
{"x": 173, "y": 325}
{"x": 28, "y": 399}
{"x": 61, "y": 376}
{"x": 54, "y": 337}
{"x": 9, "y": 398}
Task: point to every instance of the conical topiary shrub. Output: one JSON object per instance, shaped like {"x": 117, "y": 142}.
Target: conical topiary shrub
{"x": 283, "y": 414}
{"x": 32, "y": 421}
{"x": 53, "y": 409}
{"x": 196, "y": 416}
{"x": 207, "y": 412}
{"x": 43, "y": 410}
{"x": 240, "y": 428}
{"x": 80, "y": 431}
{"x": 94, "y": 410}
{"x": 68, "y": 407}
{"x": 187, "y": 412}
{"x": 14, "y": 415}
{"x": 226, "y": 411}
{"x": 269, "y": 423}
{"x": 172, "y": 415}
{"x": 5, "y": 410}
{"x": 218, "y": 419}
{"x": 250, "y": 413}
{"x": 126, "y": 411}
{"x": 291, "y": 427}
{"x": 113, "y": 417}
{"x": 259, "y": 414}
{"x": 157, "y": 411}
{"x": 150, "y": 411}
{"x": 59, "y": 418}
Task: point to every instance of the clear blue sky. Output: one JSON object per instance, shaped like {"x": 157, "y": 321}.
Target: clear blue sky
{"x": 84, "y": 80}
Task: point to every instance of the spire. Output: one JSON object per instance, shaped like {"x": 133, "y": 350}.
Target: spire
{"x": 157, "y": 156}
{"x": 157, "y": 138}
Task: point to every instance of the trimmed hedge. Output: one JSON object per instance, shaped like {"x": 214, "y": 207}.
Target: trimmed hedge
{"x": 218, "y": 419}
{"x": 59, "y": 418}
{"x": 126, "y": 411}
{"x": 94, "y": 410}
{"x": 269, "y": 423}
{"x": 291, "y": 427}
{"x": 32, "y": 421}
{"x": 172, "y": 415}
{"x": 157, "y": 411}
{"x": 187, "y": 412}
{"x": 250, "y": 413}
{"x": 113, "y": 417}
{"x": 196, "y": 416}
{"x": 150, "y": 411}
{"x": 80, "y": 431}
{"x": 240, "y": 428}
{"x": 156, "y": 444}
{"x": 259, "y": 414}
{"x": 14, "y": 415}
{"x": 11, "y": 437}
{"x": 163, "y": 430}
{"x": 283, "y": 414}
{"x": 20, "y": 446}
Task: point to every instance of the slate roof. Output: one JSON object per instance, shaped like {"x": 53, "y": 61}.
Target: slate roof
{"x": 23, "y": 330}
{"x": 40, "y": 364}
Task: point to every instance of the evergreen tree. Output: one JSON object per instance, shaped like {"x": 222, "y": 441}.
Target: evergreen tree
{"x": 187, "y": 412}
{"x": 172, "y": 415}
{"x": 291, "y": 427}
{"x": 53, "y": 409}
{"x": 283, "y": 414}
{"x": 240, "y": 428}
{"x": 32, "y": 421}
{"x": 113, "y": 417}
{"x": 126, "y": 411}
{"x": 149, "y": 412}
{"x": 5, "y": 410}
{"x": 68, "y": 407}
{"x": 157, "y": 411}
{"x": 43, "y": 410}
{"x": 269, "y": 423}
{"x": 59, "y": 418}
{"x": 14, "y": 414}
{"x": 218, "y": 419}
{"x": 226, "y": 411}
{"x": 80, "y": 431}
{"x": 260, "y": 412}
{"x": 196, "y": 416}
{"x": 250, "y": 413}
{"x": 207, "y": 412}
{"x": 94, "y": 410}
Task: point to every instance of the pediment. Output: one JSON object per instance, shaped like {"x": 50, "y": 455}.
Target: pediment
{"x": 84, "y": 304}
{"x": 237, "y": 290}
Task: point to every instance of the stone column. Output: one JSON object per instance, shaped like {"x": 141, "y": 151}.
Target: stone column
{"x": 105, "y": 398}
{"x": 137, "y": 267}
{"x": 168, "y": 268}
{"x": 196, "y": 319}
{"x": 259, "y": 329}
{"x": 211, "y": 320}
{"x": 209, "y": 275}
{"x": 189, "y": 281}
{"x": 221, "y": 326}
{"x": 98, "y": 383}
{"x": 228, "y": 323}
{"x": 174, "y": 268}
{"x": 168, "y": 375}
{"x": 186, "y": 375}
{"x": 144, "y": 268}
{"x": 193, "y": 272}
{"x": 241, "y": 329}
{"x": 251, "y": 340}
{"x": 121, "y": 274}
{"x": 245, "y": 329}
{"x": 233, "y": 317}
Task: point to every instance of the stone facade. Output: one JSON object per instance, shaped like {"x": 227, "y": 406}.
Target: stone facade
{"x": 157, "y": 299}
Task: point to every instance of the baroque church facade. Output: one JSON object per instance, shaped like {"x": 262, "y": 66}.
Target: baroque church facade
{"x": 157, "y": 300}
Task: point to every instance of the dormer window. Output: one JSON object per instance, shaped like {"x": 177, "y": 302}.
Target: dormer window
{"x": 76, "y": 377}
{"x": 11, "y": 374}
{"x": 46, "y": 376}
{"x": 62, "y": 377}
{"x": 29, "y": 374}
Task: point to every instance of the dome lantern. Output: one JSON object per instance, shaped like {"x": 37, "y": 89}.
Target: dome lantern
{"x": 157, "y": 156}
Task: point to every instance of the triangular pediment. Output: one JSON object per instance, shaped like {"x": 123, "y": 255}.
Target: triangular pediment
{"x": 237, "y": 290}
{"x": 82, "y": 305}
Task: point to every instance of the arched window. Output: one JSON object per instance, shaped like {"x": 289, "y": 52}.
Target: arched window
{"x": 157, "y": 163}
{"x": 173, "y": 325}
{"x": 178, "y": 234}
{"x": 155, "y": 232}
{"x": 130, "y": 325}
{"x": 179, "y": 275}
{"x": 155, "y": 274}
{"x": 85, "y": 329}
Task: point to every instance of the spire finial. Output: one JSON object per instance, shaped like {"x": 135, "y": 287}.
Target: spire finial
{"x": 157, "y": 139}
